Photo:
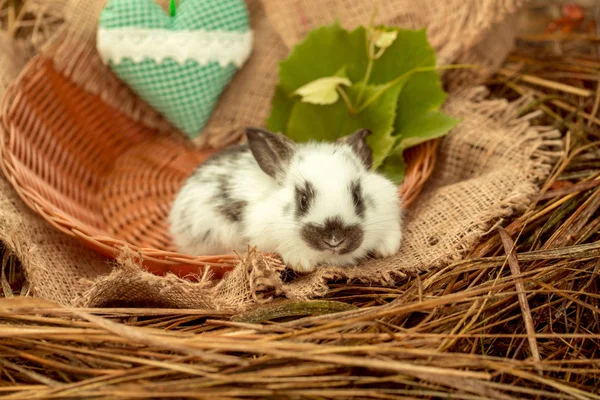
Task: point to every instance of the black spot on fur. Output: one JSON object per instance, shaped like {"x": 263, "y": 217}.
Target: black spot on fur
{"x": 333, "y": 235}
{"x": 229, "y": 207}
{"x": 206, "y": 235}
{"x": 234, "y": 210}
{"x": 304, "y": 198}
{"x": 357, "y": 199}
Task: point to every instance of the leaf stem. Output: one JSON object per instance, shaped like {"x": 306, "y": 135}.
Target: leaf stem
{"x": 344, "y": 96}
{"x": 370, "y": 49}
{"x": 380, "y": 53}
{"x": 365, "y": 81}
{"x": 404, "y": 76}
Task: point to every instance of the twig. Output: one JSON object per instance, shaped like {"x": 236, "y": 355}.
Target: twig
{"x": 292, "y": 308}
{"x": 596, "y": 105}
{"x": 509, "y": 248}
{"x": 545, "y": 83}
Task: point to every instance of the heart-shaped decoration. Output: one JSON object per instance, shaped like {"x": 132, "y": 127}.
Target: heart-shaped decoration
{"x": 178, "y": 63}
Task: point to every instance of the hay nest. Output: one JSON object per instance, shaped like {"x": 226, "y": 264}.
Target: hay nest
{"x": 518, "y": 318}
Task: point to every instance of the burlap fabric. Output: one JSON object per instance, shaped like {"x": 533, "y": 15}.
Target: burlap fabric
{"x": 488, "y": 167}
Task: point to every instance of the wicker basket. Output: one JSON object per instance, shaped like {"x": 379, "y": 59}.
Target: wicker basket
{"x": 107, "y": 180}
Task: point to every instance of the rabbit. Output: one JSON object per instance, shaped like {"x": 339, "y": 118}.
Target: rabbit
{"x": 314, "y": 203}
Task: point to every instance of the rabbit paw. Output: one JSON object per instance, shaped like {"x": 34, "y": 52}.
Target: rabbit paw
{"x": 388, "y": 247}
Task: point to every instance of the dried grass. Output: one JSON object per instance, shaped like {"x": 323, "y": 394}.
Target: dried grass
{"x": 33, "y": 20}
{"x": 518, "y": 318}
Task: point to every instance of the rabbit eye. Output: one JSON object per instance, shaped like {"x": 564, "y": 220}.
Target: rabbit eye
{"x": 304, "y": 198}
{"x": 304, "y": 203}
{"x": 355, "y": 196}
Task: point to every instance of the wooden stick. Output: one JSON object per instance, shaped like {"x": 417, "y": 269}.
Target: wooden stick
{"x": 545, "y": 83}
{"x": 513, "y": 262}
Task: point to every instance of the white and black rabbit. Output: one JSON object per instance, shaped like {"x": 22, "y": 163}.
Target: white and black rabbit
{"x": 312, "y": 203}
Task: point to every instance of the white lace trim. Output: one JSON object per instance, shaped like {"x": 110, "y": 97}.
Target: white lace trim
{"x": 203, "y": 46}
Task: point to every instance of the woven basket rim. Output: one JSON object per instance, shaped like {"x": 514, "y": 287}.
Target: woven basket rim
{"x": 420, "y": 159}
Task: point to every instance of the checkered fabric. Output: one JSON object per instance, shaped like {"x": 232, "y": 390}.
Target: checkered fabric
{"x": 184, "y": 92}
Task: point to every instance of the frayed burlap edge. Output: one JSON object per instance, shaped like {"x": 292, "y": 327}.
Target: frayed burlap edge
{"x": 255, "y": 280}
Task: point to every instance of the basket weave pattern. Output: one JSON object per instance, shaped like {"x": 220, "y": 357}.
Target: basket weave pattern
{"x": 107, "y": 180}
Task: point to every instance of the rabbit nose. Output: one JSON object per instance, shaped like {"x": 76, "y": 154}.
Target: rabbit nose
{"x": 333, "y": 241}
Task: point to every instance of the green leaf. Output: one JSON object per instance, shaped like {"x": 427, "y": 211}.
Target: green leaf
{"x": 331, "y": 122}
{"x": 283, "y": 103}
{"x": 403, "y": 117}
{"x": 281, "y": 107}
{"x": 384, "y": 39}
{"x": 313, "y": 122}
{"x": 423, "y": 93}
{"x": 394, "y": 167}
{"x": 322, "y": 90}
{"x": 409, "y": 51}
{"x": 424, "y": 127}
{"x": 324, "y": 52}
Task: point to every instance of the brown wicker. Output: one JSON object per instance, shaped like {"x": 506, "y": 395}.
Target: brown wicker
{"x": 107, "y": 180}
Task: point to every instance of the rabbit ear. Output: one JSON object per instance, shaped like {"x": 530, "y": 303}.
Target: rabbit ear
{"x": 272, "y": 151}
{"x": 358, "y": 142}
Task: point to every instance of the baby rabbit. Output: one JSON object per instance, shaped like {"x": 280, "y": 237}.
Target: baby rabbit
{"x": 312, "y": 203}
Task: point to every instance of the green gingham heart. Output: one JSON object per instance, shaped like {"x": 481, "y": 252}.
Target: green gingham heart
{"x": 179, "y": 64}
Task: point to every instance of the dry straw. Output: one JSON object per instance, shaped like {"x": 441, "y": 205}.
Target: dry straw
{"x": 518, "y": 318}
{"x": 456, "y": 333}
